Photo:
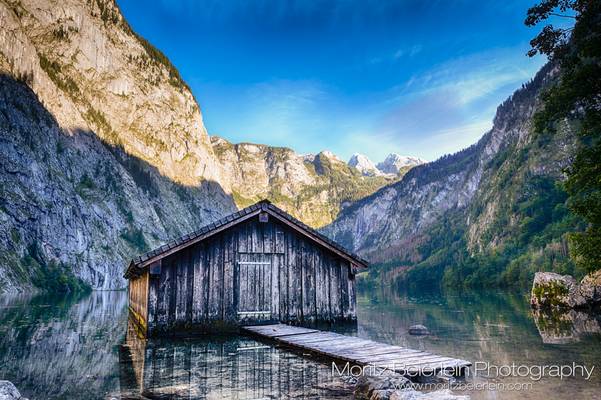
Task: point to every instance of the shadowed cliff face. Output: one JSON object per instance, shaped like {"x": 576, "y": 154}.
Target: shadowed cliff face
{"x": 72, "y": 201}
{"x": 103, "y": 148}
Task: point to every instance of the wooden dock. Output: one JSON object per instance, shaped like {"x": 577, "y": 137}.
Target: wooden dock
{"x": 358, "y": 351}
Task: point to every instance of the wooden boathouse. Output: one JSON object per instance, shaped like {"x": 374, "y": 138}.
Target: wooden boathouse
{"x": 258, "y": 265}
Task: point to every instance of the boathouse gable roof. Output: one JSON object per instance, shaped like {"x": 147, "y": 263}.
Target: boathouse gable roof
{"x": 139, "y": 263}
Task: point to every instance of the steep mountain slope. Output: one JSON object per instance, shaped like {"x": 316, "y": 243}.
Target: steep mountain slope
{"x": 473, "y": 202}
{"x": 104, "y": 156}
{"x": 104, "y": 152}
{"x": 313, "y": 188}
{"x": 91, "y": 71}
{"x": 73, "y": 204}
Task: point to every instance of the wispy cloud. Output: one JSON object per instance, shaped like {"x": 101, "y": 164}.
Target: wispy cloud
{"x": 450, "y": 106}
{"x": 399, "y": 54}
{"x": 441, "y": 110}
{"x": 409, "y": 76}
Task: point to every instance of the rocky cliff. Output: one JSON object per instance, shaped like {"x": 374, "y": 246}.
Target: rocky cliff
{"x": 477, "y": 201}
{"x": 313, "y": 188}
{"x": 103, "y": 148}
{"x": 104, "y": 152}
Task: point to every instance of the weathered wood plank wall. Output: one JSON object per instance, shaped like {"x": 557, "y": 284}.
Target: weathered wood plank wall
{"x": 138, "y": 299}
{"x": 251, "y": 267}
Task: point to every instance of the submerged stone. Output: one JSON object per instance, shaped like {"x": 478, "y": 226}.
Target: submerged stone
{"x": 380, "y": 386}
{"x": 418, "y": 330}
{"x": 392, "y": 386}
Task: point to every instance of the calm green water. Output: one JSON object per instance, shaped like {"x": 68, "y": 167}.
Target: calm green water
{"x": 80, "y": 348}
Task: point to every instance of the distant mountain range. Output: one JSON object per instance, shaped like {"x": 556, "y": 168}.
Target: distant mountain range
{"x": 393, "y": 164}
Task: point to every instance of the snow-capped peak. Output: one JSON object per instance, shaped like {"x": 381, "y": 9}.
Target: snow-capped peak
{"x": 395, "y": 162}
{"x": 363, "y": 164}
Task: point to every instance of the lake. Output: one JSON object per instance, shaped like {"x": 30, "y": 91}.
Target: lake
{"x": 81, "y": 347}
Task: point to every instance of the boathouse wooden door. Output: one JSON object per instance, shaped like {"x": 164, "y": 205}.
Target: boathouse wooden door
{"x": 254, "y": 288}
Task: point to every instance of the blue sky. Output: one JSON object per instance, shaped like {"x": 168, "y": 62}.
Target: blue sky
{"x": 418, "y": 78}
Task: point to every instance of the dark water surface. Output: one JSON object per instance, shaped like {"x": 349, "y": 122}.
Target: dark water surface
{"x": 80, "y": 348}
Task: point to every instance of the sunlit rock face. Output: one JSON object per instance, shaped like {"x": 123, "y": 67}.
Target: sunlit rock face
{"x": 92, "y": 72}
{"x": 395, "y": 163}
{"x": 363, "y": 164}
{"x": 313, "y": 188}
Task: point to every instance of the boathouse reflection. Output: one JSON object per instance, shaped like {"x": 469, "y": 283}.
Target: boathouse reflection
{"x": 233, "y": 367}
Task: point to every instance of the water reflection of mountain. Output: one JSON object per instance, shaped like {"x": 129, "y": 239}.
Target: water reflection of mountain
{"x": 62, "y": 348}
{"x": 232, "y": 367}
{"x": 72, "y": 348}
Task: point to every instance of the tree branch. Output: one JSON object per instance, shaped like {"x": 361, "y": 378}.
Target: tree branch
{"x": 562, "y": 16}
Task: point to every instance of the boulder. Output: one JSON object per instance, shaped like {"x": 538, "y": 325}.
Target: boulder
{"x": 418, "y": 330}
{"x": 551, "y": 290}
{"x": 387, "y": 385}
{"x": 8, "y": 391}
{"x": 380, "y": 386}
{"x": 555, "y": 291}
{"x": 590, "y": 288}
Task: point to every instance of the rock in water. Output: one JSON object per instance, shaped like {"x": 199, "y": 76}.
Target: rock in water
{"x": 392, "y": 386}
{"x": 8, "y": 391}
{"x": 380, "y": 386}
{"x": 551, "y": 290}
{"x": 590, "y": 288}
{"x": 418, "y": 330}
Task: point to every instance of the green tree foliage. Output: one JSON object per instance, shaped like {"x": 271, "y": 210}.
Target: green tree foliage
{"x": 576, "y": 96}
{"x": 535, "y": 242}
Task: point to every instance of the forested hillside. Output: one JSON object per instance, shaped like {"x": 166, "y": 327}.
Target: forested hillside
{"x": 492, "y": 214}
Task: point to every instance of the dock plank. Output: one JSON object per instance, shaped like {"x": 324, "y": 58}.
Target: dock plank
{"x": 357, "y": 350}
